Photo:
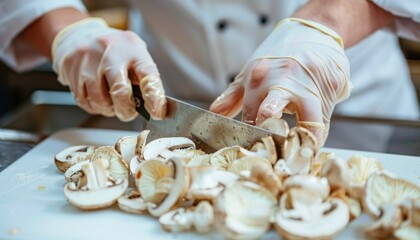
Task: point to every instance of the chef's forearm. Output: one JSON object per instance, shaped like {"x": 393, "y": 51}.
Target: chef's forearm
{"x": 40, "y": 33}
{"x": 353, "y": 20}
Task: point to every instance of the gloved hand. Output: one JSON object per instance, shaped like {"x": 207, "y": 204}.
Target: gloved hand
{"x": 100, "y": 63}
{"x": 300, "y": 68}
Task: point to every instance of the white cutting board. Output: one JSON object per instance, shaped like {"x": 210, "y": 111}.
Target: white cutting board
{"x": 27, "y": 211}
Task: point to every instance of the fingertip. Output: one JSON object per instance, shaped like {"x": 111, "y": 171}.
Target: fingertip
{"x": 272, "y": 106}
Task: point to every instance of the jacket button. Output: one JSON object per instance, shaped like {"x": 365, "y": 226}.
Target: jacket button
{"x": 222, "y": 25}
{"x": 264, "y": 19}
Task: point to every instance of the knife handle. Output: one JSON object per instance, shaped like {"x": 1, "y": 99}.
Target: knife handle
{"x": 138, "y": 100}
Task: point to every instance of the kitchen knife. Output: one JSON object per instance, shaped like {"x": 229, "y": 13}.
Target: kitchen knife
{"x": 209, "y": 131}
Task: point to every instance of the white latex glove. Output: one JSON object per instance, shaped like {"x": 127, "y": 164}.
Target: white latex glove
{"x": 300, "y": 68}
{"x": 99, "y": 64}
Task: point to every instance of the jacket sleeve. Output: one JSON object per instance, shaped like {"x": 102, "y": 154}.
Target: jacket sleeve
{"x": 407, "y": 24}
{"x": 15, "y": 16}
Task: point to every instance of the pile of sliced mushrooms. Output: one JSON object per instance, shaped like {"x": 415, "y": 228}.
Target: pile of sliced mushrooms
{"x": 241, "y": 192}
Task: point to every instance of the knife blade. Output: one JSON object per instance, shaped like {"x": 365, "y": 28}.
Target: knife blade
{"x": 209, "y": 131}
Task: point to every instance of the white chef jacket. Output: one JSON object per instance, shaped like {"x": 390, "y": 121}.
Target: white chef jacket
{"x": 199, "y": 46}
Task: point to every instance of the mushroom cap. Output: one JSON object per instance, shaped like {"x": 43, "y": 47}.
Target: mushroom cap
{"x": 382, "y": 188}
{"x": 94, "y": 199}
{"x": 154, "y": 179}
{"x": 74, "y": 172}
{"x": 177, "y": 220}
{"x": 203, "y": 217}
{"x": 390, "y": 221}
{"x": 338, "y": 173}
{"x": 127, "y": 146}
{"x": 132, "y": 203}
{"x": 266, "y": 148}
{"x": 317, "y": 187}
{"x": 141, "y": 142}
{"x": 246, "y": 163}
{"x": 264, "y": 175}
{"x": 360, "y": 169}
{"x": 276, "y": 125}
{"x": 178, "y": 190}
{"x": 223, "y": 158}
{"x": 244, "y": 210}
{"x": 153, "y": 149}
{"x": 72, "y": 155}
{"x": 199, "y": 160}
{"x": 117, "y": 167}
{"x": 319, "y": 162}
{"x": 204, "y": 185}
{"x": 410, "y": 228}
{"x": 328, "y": 225}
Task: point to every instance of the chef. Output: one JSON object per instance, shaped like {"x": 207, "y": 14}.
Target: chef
{"x": 262, "y": 58}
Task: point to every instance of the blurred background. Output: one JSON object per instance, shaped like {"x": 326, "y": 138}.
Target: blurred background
{"x": 34, "y": 105}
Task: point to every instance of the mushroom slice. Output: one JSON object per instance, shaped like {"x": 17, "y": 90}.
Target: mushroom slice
{"x": 134, "y": 164}
{"x": 410, "y": 229}
{"x": 72, "y": 155}
{"x": 181, "y": 219}
{"x": 245, "y": 164}
{"x": 154, "y": 180}
{"x": 354, "y": 205}
{"x": 179, "y": 187}
{"x": 334, "y": 218}
{"x": 319, "y": 162}
{"x": 99, "y": 191}
{"x": 185, "y": 154}
{"x": 155, "y": 148}
{"x": 74, "y": 173}
{"x": 141, "y": 143}
{"x": 299, "y": 150}
{"x": 132, "y": 203}
{"x": 281, "y": 169}
{"x": 317, "y": 188}
{"x": 244, "y": 210}
{"x": 337, "y": 173}
{"x": 266, "y": 148}
{"x": 223, "y": 158}
{"x": 381, "y": 188}
{"x": 204, "y": 184}
{"x": 200, "y": 160}
{"x": 387, "y": 224}
{"x": 361, "y": 168}
{"x": 275, "y": 125}
{"x": 264, "y": 175}
{"x": 117, "y": 167}
{"x": 127, "y": 147}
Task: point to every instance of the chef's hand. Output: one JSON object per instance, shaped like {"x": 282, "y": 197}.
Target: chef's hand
{"x": 100, "y": 63}
{"x": 300, "y": 68}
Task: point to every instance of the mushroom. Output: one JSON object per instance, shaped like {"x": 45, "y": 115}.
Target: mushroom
{"x": 181, "y": 219}
{"x": 163, "y": 146}
{"x": 243, "y": 165}
{"x": 317, "y": 189}
{"x": 132, "y": 203}
{"x": 117, "y": 167}
{"x": 185, "y": 154}
{"x": 410, "y": 228}
{"x": 382, "y": 188}
{"x": 127, "y": 147}
{"x": 74, "y": 173}
{"x": 72, "y": 155}
{"x": 299, "y": 150}
{"x": 276, "y": 125}
{"x": 200, "y": 160}
{"x": 264, "y": 175}
{"x": 333, "y": 217}
{"x": 244, "y": 210}
{"x": 337, "y": 173}
{"x": 361, "y": 168}
{"x": 281, "y": 169}
{"x": 266, "y": 148}
{"x": 141, "y": 142}
{"x": 354, "y": 205}
{"x": 100, "y": 191}
{"x": 222, "y": 158}
{"x": 162, "y": 184}
{"x": 387, "y": 224}
{"x": 319, "y": 162}
{"x": 204, "y": 184}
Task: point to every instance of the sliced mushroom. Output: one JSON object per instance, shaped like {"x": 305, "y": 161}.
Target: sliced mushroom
{"x": 410, "y": 229}
{"x": 299, "y": 150}
{"x": 127, "y": 147}
{"x": 275, "y": 125}
{"x": 390, "y": 220}
{"x": 154, "y": 180}
{"x": 266, "y": 149}
{"x": 224, "y": 157}
{"x": 319, "y": 162}
{"x": 354, "y": 204}
{"x": 132, "y": 203}
{"x": 333, "y": 218}
{"x": 244, "y": 165}
{"x": 204, "y": 184}
{"x": 264, "y": 175}
{"x": 74, "y": 173}
{"x": 361, "y": 168}
{"x": 181, "y": 219}
{"x": 117, "y": 167}
{"x": 337, "y": 173}
{"x": 281, "y": 169}
{"x": 382, "y": 188}
{"x": 185, "y": 154}
{"x": 99, "y": 191}
{"x": 317, "y": 188}
{"x": 72, "y": 155}
{"x": 244, "y": 210}
{"x": 141, "y": 143}
{"x": 200, "y": 160}
{"x": 162, "y": 184}
{"x": 162, "y": 146}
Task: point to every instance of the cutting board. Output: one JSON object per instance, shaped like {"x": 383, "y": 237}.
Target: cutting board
{"x": 33, "y": 206}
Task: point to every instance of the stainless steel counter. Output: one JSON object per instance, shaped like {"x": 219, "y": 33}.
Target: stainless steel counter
{"x": 11, "y": 151}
